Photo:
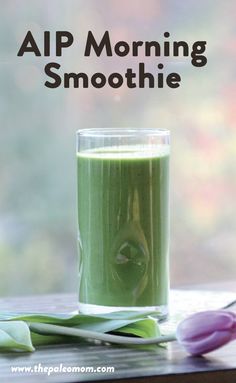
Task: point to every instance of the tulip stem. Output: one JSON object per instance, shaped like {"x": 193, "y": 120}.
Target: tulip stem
{"x": 46, "y": 329}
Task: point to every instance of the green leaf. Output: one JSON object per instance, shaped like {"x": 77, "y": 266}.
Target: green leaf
{"x": 15, "y": 335}
{"x": 144, "y": 328}
{"x": 135, "y": 325}
{"x": 126, "y": 323}
{"x": 45, "y": 340}
{"x": 72, "y": 320}
{"x": 100, "y": 323}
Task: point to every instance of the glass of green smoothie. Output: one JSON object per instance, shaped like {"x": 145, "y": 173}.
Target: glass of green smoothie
{"x": 123, "y": 219}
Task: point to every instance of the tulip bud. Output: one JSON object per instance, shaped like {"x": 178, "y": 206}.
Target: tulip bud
{"x": 206, "y": 331}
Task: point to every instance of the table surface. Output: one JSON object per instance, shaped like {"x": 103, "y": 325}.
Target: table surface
{"x": 169, "y": 364}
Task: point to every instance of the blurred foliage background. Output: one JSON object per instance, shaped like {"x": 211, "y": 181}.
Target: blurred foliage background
{"x": 38, "y": 125}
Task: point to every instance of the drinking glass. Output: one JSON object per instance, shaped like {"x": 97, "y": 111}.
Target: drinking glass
{"x": 123, "y": 219}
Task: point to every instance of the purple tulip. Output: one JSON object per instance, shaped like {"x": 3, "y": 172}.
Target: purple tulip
{"x": 206, "y": 331}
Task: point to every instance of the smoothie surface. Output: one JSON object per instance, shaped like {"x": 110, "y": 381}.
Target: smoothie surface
{"x": 129, "y": 152}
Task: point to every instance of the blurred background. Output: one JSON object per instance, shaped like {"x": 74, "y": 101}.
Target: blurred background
{"x": 38, "y": 125}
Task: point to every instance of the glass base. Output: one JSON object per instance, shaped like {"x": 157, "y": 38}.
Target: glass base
{"x": 89, "y": 309}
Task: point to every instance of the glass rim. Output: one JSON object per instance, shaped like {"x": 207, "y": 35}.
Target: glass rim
{"x": 122, "y": 132}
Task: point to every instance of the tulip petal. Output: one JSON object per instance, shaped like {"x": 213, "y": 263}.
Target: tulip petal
{"x": 205, "y": 323}
{"x": 233, "y": 336}
{"x": 206, "y": 344}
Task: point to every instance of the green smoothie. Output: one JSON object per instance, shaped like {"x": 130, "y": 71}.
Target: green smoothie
{"x": 123, "y": 217}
